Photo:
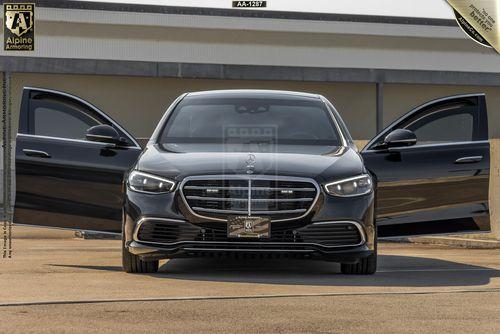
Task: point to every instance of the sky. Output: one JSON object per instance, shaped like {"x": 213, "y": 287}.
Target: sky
{"x": 411, "y": 8}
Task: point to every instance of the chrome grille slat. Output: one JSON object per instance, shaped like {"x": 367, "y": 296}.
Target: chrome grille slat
{"x": 220, "y": 197}
{"x": 246, "y": 188}
{"x": 244, "y": 212}
{"x": 223, "y": 199}
{"x": 236, "y": 212}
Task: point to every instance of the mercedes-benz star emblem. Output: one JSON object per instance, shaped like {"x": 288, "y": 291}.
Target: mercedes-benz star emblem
{"x": 250, "y": 163}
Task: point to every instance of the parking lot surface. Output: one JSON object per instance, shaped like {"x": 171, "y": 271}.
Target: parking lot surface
{"x": 63, "y": 285}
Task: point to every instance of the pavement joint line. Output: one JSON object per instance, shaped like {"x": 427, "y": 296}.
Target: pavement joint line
{"x": 273, "y": 296}
{"x": 437, "y": 270}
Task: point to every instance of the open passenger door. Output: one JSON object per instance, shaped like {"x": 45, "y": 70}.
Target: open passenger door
{"x": 64, "y": 177}
{"x": 431, "y": 167}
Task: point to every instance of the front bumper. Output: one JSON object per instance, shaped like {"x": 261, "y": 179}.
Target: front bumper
{"x": 328, "y": 209}
{"x": 248, "y": 250}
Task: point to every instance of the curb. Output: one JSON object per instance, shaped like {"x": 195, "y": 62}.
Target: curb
{"x": 97, "y": 236}
{"x": 454, "y": 242}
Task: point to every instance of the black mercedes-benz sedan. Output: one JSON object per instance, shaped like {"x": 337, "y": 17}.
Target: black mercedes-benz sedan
{"x": 252, "y": 173}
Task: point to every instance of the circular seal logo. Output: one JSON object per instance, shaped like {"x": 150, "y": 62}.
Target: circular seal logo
{"x": 469, "y": 30}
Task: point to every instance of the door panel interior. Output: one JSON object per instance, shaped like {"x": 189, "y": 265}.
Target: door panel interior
{"x": 63, "y": 180}
{"x": 441, "y": 184}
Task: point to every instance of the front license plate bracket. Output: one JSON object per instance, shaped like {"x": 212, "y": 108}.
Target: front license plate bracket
{"x": 248, "y": 227}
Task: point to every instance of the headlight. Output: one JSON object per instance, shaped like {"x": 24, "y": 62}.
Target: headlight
{"x": 354, "y": 186}
{"x": 147, "y": 183}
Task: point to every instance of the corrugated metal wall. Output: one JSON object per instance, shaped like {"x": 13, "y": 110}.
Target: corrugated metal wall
{"x": 91, "y": 34}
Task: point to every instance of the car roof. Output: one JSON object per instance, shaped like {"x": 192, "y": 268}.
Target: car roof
{"x": 253, "y": 93}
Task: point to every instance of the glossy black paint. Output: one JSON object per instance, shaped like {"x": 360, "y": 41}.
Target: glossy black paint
{"x": 420, "y": 189}
{"x": 430, "y": 189}
{"x": 78, "y": 187}
{"x": 424, "y": 185}
{"x": 67, "y": 183}
{"x": 344, "y": 162}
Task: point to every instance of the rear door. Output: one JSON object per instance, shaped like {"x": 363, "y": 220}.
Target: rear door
{"x": 63, "y": 180}
{"x": 440, "y": 184}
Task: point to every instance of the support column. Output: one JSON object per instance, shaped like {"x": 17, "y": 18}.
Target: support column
{"x": 380, "y": 106}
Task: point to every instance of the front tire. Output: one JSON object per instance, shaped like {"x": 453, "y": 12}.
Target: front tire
{"x": 133, "y": 263}
{"x": 365, "y": 266}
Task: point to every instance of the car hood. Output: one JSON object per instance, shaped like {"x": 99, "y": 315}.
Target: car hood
{"x": 345, "y": 162}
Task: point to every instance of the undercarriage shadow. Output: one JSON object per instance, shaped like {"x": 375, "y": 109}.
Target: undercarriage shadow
{"x": 393, "y": 270}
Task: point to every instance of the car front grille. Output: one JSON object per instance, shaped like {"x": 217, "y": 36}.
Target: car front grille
{"x": 336, "y": 234}
{"x": 219, "y": 198}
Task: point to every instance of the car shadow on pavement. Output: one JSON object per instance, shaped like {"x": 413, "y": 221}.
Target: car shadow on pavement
{"x": 393, "y": 270}
{"x": 103, "y": 268}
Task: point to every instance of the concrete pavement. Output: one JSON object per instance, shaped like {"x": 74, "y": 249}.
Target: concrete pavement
{"x": 448, "y": 313}
{"x": 63, "y": 285}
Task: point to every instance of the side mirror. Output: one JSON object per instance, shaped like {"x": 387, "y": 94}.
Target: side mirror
{"x": 104, "y": 134}
{"x": 400, "y": 138}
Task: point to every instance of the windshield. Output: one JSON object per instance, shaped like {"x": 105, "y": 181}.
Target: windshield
{"x": 250, "y": 124}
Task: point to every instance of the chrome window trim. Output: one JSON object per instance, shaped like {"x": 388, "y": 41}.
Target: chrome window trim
{"x": 430, "y": 114}
{"x": 433, "y": 145}
{"x": 143, "y": 219}
{"x": 81, "y": 141}
{"x": 414, "y": 110}
{"x": 249, "y": 177}
{"x": 91, "y": 106}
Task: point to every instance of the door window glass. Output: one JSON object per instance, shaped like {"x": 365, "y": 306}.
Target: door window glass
{"x": 445, "y": 124}
{"x": 61, "y": 121}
